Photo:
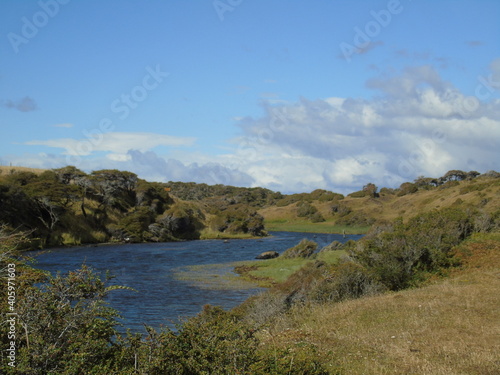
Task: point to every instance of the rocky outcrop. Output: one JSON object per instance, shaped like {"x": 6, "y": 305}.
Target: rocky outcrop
{"x": 268, "y": 255}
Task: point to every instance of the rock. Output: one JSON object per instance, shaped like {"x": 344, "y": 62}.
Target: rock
{"x": 268, "y": 255}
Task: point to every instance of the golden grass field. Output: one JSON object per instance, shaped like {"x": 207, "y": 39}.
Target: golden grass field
{"x": 5, "y": 170}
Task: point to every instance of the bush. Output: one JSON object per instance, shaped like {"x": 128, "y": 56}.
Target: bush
{"x": 335, "y": 245}
{"x": 341, "y": 209}
{"x": 68, "y": 328}
{"x": 305, "y": 209}
{"x": 304, "y": 249}
{"x": 358, "y": 194}
{"x": 401, "y": 256}
{"x": 216, "y": 342}
{"x": 407, "y": 188}
{"x": 387, "y": 191}
{"x": 316, "y": 218}
{"x": 347, "y": 280}
{"x": 356, "y": 218}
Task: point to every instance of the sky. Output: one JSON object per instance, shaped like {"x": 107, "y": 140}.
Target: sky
{"x": 290, "y": 95}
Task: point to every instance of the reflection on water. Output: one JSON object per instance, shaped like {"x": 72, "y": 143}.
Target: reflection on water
{"x": 161, "y": 298}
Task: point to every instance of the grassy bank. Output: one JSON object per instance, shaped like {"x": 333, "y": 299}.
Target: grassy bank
{"x": 271, "y": 271}
{"x": 447, "y": 327}
{"x": 329, "y": 227}
{"x": 249, "y": 274}
{"x": 213, "y": 276}
{"x": 207, "y": 234}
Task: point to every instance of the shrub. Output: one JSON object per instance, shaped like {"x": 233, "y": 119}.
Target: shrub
{"x": 335, "y": 245}
{"x": 341, "y": 209}
{"x": 216, "y": 342}
{"x": 304, "y": 249}
{"x": 358, "y": 194}
{"x": 347, "y": 280}
{"x": 316, "y": 218}
{"x": 386, "y": 191}
{"x": 399, "y": 257}
{"x": 407, "y": 188}
{"x": 68, "y": 328}
{"x": 356, "y": 218}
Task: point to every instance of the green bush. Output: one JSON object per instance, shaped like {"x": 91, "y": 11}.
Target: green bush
{"x": 66, "y": 326}
{"x": 304, "y": 249}
{"x": 406, "y": 188}
{"x": 401, "y": 255}
{"x": 341, "y": 209}
{"x": 346, "y": 280}
{"x": 316, "y": 218}
{"x": 358, "y": 194}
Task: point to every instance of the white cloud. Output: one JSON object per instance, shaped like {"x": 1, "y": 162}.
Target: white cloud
{"x": 117, "y": 143}
{"x": 417, "y": 124}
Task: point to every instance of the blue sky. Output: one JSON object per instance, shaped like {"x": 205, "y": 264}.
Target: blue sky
{"x": 289, "y": 95}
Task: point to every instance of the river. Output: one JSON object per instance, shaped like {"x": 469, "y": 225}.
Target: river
{"x": 161, "y": 298}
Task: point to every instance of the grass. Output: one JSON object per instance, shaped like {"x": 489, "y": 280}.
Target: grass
{"x": 249, "y": 274}
{"x": 480, "y": 192}
{"x": 6, "y": 170}
{"x": 212, "y": 276}
{"x": 271, "y": 271}
{"x": 207, "y": 234}
{"x": 447, "y": 327}
{"x": 290, "y": 225}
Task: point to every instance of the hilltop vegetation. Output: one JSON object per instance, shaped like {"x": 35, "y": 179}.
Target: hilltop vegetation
{"x": 358, "y": 211}
{"x": 68, "y": 207}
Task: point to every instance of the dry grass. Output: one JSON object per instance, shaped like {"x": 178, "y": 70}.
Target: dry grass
{"x": 449, "y": 327}
{"x": 390, "y": 207}
{"x": 5, "y": 170}
{"x": 484, "y": 193}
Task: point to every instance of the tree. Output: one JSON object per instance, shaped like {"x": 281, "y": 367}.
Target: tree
{"x": 472, "y": 175}
{"x": 371, "y": 190}
{"x": 114, "y": 188}
{"x": 455, "y": 175}
{"x": 69, "y": 174}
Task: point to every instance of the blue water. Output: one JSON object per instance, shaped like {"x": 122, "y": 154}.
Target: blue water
{"x": 149, "y": 268}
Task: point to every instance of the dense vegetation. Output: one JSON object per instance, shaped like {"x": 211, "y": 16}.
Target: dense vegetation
{"x": 64, "y": 325}
{"x": 68, "y": 206}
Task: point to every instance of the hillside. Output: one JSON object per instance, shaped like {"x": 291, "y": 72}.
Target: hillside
{"x": 356, "y": 214}
{"x": 447, "y": 327}
{"x": 66, "y": 206}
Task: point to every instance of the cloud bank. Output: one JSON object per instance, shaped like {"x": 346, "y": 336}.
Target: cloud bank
{"x": 415, "y": 124}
